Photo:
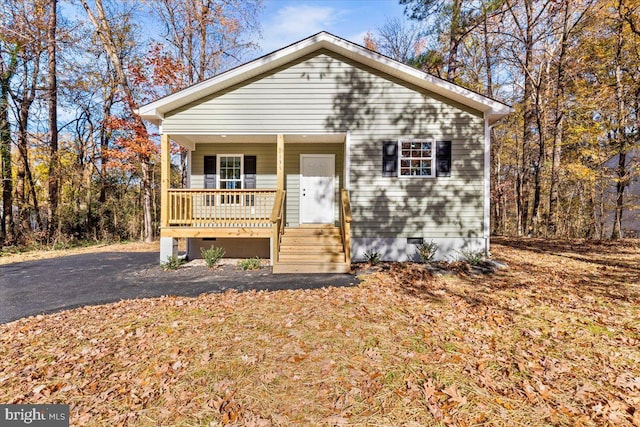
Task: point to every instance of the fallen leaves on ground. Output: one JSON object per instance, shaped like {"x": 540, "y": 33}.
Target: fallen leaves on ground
{"x": 40, "y": 254}
{"x": 553, "y": 340}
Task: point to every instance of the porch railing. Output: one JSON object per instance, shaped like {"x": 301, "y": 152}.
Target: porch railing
{"x": 345, "y": 216}
{"x": 220, "y": 208}
{"x": 277, "y": 221}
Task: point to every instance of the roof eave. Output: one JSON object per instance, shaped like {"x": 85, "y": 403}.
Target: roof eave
{"x": 154, "y": 111}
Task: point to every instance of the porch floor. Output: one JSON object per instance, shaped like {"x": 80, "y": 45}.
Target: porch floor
{"x": 205, "y": 232}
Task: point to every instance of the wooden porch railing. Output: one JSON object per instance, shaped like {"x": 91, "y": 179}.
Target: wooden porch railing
{"x": 277, "y": 219}
{"x": 220, "y": 208}
{"x": 345, "y": 217}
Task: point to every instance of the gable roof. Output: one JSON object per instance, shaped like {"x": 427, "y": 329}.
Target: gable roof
{"x": 494, "y": 110}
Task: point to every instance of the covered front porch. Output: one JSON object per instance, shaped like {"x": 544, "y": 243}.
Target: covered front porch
{"x": 267, "y": 184}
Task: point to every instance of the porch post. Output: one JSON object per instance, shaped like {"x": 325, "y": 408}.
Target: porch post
{"x": 347, "y": 161}
{"x": 280, "y": 161}
{"x": 168, "y": 245}
{"x": 165, "y": 171}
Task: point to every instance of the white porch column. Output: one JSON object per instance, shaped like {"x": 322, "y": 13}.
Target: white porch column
{"x": 486, "y": 232}
{"x": 168, "y": 248}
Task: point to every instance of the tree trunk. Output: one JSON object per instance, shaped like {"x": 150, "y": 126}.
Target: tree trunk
{"x": 146, "y": 203}
{"x": 106, "y": 37}
{"x": 529, "y": 121}
{"x": 557, "y": 131}
{"x": 620, "y": 137}
{"x": 454, "y": 40}
{"x": 53, "y": 183}
{"x": 538, "y": 164}
{"x": 104, "y": 144}
{"x": 24, "y": 182}
{"x": 6, "y": 223}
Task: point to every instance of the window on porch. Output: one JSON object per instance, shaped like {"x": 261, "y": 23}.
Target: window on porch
{"x": 230, "y": 167}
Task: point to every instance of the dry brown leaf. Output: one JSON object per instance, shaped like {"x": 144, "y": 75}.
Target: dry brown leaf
{"x": 454, "y": 395}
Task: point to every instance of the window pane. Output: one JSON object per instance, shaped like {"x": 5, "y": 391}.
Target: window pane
{"x": 416, "y": 158}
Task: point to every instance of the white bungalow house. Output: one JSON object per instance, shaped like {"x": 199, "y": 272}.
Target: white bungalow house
{"x": 321, "y": 151}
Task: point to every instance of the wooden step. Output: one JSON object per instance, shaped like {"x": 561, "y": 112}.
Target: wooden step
{"x": 310, "y": 257}
{"x": 314, "y": 267}
{"x": 312, "y": 232}
{"x": 310, "y": 240}
{"x": 312, "y": 248}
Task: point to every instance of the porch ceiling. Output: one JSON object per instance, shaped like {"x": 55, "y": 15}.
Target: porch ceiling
{"x": 189, "y": 141}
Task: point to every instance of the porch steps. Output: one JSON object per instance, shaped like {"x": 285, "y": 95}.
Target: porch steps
{"x": 312, "y": 249}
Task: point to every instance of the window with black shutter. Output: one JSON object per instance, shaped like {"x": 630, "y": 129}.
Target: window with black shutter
{"x": 416, "y": 158}
{"x": 390, "y": 158}
{"x": 209, "y": 178}
{"x": 250, "y": 166}
{"x": 209, "y": 171}
{"x": 443, "y": 158}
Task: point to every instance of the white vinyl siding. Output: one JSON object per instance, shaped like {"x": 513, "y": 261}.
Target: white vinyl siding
{"x": 327, "y": 93}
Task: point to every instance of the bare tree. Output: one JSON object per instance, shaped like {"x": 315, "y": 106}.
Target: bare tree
{"x": 106, "y": 37}
{"x": 399, "y": 39}
{"x": 208, "y": 35}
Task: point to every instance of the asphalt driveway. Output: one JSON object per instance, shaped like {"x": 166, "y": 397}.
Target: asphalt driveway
{"x": 44, "y": 286}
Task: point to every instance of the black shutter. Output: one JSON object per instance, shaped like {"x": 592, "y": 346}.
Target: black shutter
{"x": 390, "y": 158}
{"x": 250, "y": 172}
{"x": 209, "y": 171}
{"x": 443, "y": 158}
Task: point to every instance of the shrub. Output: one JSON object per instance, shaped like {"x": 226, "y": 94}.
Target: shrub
{"x": 249, "y": 264}
{"x": 473, "y": 257}
{"x": 372, "y": 257}
{"x": 212, "y": 256}
{"x": 427, "y": 251}
{"x": 172, "y": 263}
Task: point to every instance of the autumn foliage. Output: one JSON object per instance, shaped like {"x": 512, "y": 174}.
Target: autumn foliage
{"x": 131, "y": 144}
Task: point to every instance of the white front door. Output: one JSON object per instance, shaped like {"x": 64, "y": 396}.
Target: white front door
{"x": 317, "y": 188}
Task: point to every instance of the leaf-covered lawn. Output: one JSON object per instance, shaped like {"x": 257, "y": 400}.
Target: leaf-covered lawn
{"x": 553, "y": 340}
{"x": 35, "y": 255}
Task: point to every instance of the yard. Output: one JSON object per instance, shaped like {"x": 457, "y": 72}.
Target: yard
{"x": 553, "y": 340}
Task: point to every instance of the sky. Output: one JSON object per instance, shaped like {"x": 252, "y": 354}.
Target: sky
{"x": 287, "y": 21}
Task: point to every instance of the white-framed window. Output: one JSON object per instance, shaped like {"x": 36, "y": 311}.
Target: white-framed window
{"x": 230, "y": 171}
{"x": 416, "y": 158}
{"x": 230, "y": 174}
